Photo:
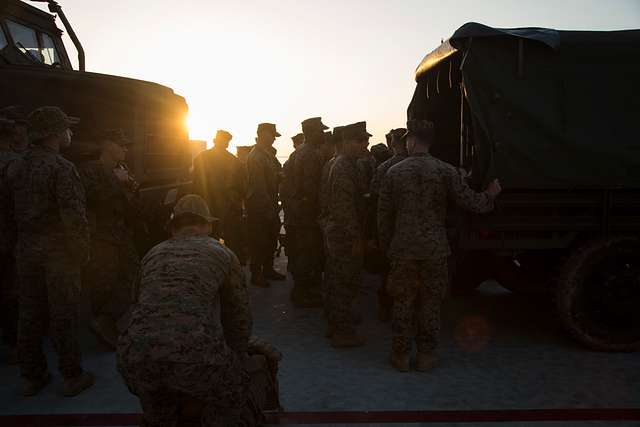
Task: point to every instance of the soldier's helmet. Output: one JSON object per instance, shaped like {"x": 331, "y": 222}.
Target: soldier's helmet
{"x": 47, "y": 121}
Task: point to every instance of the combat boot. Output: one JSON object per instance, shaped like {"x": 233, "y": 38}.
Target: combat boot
{"x": 106, "y": 330}
{"x": 345, "y": 340}
{"x": 400, "y": 361}
{"x": 32, "y": 386}
{"x": 426, "y": 361}
{"x": 75, "y": 386}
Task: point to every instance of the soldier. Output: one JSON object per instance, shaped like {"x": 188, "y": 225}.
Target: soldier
{"x": 286, "y": 194}
{"x": 307, "y": 172}
{"x": 8, "y": 289}
{"x": 343, "y": 228}
{"x": 20, "y": 140}
{"x": 380, "y": 153}
{"x": 112, "y": 211}
{"x": 411, "y": 227}
{"x": 262, "y": 206}
{"x": 52, "y": 247}
{"x": 395, "y": 139}
{"x": 220, "y": 179}
{"x": 187, "y": 342}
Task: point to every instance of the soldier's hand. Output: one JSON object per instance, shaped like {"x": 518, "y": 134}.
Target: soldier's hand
{"x": 494, "y": 188}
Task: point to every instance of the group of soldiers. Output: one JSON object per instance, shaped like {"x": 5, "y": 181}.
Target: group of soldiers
{"x": 180, "y": 318}
{"x": 62, "y": 227}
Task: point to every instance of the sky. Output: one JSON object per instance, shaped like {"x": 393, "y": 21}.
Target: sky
{"x": 242, "y": 62}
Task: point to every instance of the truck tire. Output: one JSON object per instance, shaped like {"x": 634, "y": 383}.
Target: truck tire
{"x": 598, "y": 294}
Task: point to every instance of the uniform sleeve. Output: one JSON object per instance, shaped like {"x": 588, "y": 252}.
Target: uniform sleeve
{"x": 236, "y": 313}
{"x": 72, "y": 207}
{"x": 90, "y": 179}
{"x": 376, "y": 181}
{"x": 344, "y": 210}
{"x": 386, "y": 214}
{"x": 462, "y": 195}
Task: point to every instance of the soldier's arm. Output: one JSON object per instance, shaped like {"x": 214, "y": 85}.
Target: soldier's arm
{"x": 72, "y": 207}
{"x": 344, "y": 193}
{"x": 465, "y": 197}
{"x": 386, "y": 214}
{"x": 235, "y": 310}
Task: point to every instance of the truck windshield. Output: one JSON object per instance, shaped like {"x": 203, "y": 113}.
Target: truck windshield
{"x": 26, "y": 39}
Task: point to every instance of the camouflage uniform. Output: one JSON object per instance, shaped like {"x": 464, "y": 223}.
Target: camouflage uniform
{"x": 286, "y": 194}
{"x": 188, "y": 335}
{"x": 8, "y": 287}
{"x": 114, "y": 262}
{"x": 307, "y": 173}
{"x": 262, "y": 207}
{"x": 343, "y": 230}
{"x": 219, "y": 177}
{"x": 412, "y": 209}
{"x": 52, "y": 246}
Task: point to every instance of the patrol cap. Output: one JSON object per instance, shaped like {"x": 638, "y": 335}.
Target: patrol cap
{"x": 222, "y": 136}
{"x": 298, "y": 139}
{"x": 380, "y": 152}
{"x": 398, "y": 135}
{"x": 192, "y": 204}
{"x": 47, "y": 121}
{"x": 355, "y": 131}
{"x": 268, "y": 127}
{"x": 337, "y": 134}
{"x": 313, "y": 124}
{"x": 422, "y": 128}
{"x": 117, "y": 136}
{"x": 17, "y": 113}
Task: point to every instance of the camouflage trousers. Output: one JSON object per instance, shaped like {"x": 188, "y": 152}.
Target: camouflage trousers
{"x": 233, "y": 395}
{"x": 109, "y": 277}
{"x": 8, "y": 299}
{"x": 417, "y": 288}
{"x": 263, "y": 242}
{"x": 308, "y": 258}
{"x": 343, "y": 281}
{"x": 49, "y": 293}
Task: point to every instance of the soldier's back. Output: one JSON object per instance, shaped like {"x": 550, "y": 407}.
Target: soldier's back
{"x": 8, "y": 161}
{"x": 178, "y": 311}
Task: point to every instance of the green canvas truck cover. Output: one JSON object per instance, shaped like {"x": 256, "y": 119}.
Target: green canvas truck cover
{"x": 550, "y": 109}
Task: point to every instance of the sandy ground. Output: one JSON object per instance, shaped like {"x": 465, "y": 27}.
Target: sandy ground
{"x": 498, "y": 351}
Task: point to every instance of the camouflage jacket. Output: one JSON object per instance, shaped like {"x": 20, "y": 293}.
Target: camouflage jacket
{"x": 307, "y": 174}
{"x": 412, "y": 207}
{"x": 191, "y": 304}
{"x": 218, "y": 176}
{"x": 343, "y": 225}
{"x": 108, "y": 206}
{"x": 264, "y": 176}
{"x": 286, "y": 187}
{"x": 323, "y": 197}
{"x": 381, "y": 171}
{"x": 50, "y": 207}
{"x": 8, "y": 160}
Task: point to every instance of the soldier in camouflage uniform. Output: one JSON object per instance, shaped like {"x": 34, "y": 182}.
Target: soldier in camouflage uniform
{"x": 412, "y": 209}
{"x": 187, "y": 341}
{"x": 307, "y": 173}
{"x": 343, "y": 233}
{"x": 262, "y": 205}
{"x": 52, "y": 247}
{"x": 112, "y": 210}
{"x": 220, "y": 179}
{"x": 395, "y": 139}
{"x": 8, "y": 287}
{"x": 20, "y": 139}
{"x": 286, "y": 193}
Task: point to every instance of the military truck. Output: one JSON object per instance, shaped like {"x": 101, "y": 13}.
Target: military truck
{"x": 35, "y": 70}
{"x": 553, "y": 115}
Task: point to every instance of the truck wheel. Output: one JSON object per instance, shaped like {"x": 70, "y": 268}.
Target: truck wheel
{"x": 598, "y": 294}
